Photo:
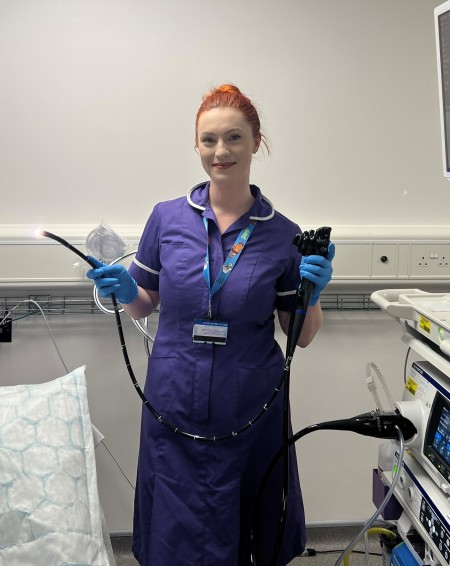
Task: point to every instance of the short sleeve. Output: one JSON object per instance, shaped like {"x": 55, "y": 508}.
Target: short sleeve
{"x": 146, "y": 265}
{"x": 288, "y": 283}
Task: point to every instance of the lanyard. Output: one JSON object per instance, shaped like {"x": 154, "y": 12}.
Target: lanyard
{"x": 229, "y": 263}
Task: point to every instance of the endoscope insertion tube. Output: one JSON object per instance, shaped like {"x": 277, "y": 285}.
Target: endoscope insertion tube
{"x": 39, "y": 233}
{"x": 175, "y": 429}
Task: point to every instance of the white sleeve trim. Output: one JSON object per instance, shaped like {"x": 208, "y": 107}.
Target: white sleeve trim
{"x": 144, "y": 267}
{"x": 285, "y": 293}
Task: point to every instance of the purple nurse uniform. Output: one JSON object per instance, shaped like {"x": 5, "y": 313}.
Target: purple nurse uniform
{"x": 194, "y": 499}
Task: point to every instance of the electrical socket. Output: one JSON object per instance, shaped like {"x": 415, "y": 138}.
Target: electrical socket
{"x": 6, "y": 330}
{"x": 430, "y": 260}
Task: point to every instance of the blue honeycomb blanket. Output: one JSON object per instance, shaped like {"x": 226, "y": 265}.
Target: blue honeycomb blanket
{"x": 50, "y": 512}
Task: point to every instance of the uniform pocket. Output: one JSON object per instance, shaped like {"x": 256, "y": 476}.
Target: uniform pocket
{"x": 173, "y": 389}
{"x": 158, "y": 385}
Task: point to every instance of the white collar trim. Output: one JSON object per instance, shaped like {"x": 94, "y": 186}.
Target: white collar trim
{"x": 269, "y": 216}
{"x": 257, "y": 218}
{"x": 191, "y": 202}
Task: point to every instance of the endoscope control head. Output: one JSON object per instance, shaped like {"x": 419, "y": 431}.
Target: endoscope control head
{"x": 313, "y": 242}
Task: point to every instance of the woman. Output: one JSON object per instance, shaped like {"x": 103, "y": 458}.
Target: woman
{"x": 219, "y": 262}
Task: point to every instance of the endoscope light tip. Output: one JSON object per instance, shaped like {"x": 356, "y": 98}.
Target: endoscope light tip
{"x": 39, "y": 233}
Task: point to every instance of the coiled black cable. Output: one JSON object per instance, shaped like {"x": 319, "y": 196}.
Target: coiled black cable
{"x": 145, "y": 401}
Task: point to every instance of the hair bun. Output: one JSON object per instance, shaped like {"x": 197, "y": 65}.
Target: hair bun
{"x": 229, "y": 88}
{"x": 225, "y": 88}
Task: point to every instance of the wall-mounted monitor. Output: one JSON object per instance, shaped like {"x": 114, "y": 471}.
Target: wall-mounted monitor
{"x": 442, "y": 27}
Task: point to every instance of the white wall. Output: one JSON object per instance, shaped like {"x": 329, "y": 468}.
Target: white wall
{"x": 99, "y": 97}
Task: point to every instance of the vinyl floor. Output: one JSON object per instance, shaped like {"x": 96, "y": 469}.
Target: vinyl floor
{"x": 325, "y": 543}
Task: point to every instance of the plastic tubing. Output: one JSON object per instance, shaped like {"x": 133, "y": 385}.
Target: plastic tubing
{"x": 137, "y": 323}
{"x": 372, "y": 531}
{"x": 344, "y": 557}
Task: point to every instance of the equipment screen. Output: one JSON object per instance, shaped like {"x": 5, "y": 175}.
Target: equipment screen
{"x": 441, "y": 442}
{"x": 437, "y": 441}
{"x": 444, "y": 55}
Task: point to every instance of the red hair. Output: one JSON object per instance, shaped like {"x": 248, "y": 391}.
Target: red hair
{"x": 229, "y": 96}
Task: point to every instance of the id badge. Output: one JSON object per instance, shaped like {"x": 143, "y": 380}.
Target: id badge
{"x": 207, "y": 331}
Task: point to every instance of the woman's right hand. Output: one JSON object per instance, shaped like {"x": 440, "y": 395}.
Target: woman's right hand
{"x": 113, "y": 279}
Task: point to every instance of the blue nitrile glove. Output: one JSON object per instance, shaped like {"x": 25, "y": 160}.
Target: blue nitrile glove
{"x": 318, "y": 270}
{"x": 113, "y": 279}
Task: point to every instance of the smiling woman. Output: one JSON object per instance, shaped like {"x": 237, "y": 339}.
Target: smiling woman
{"x": 220, "y": 263}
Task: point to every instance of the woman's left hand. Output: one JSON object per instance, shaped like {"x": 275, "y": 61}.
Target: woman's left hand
{"x": 318, "y": 270}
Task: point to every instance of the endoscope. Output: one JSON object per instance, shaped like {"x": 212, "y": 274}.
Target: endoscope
{"x": 370, "y": 424}
{"x": 307, "y": 243}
